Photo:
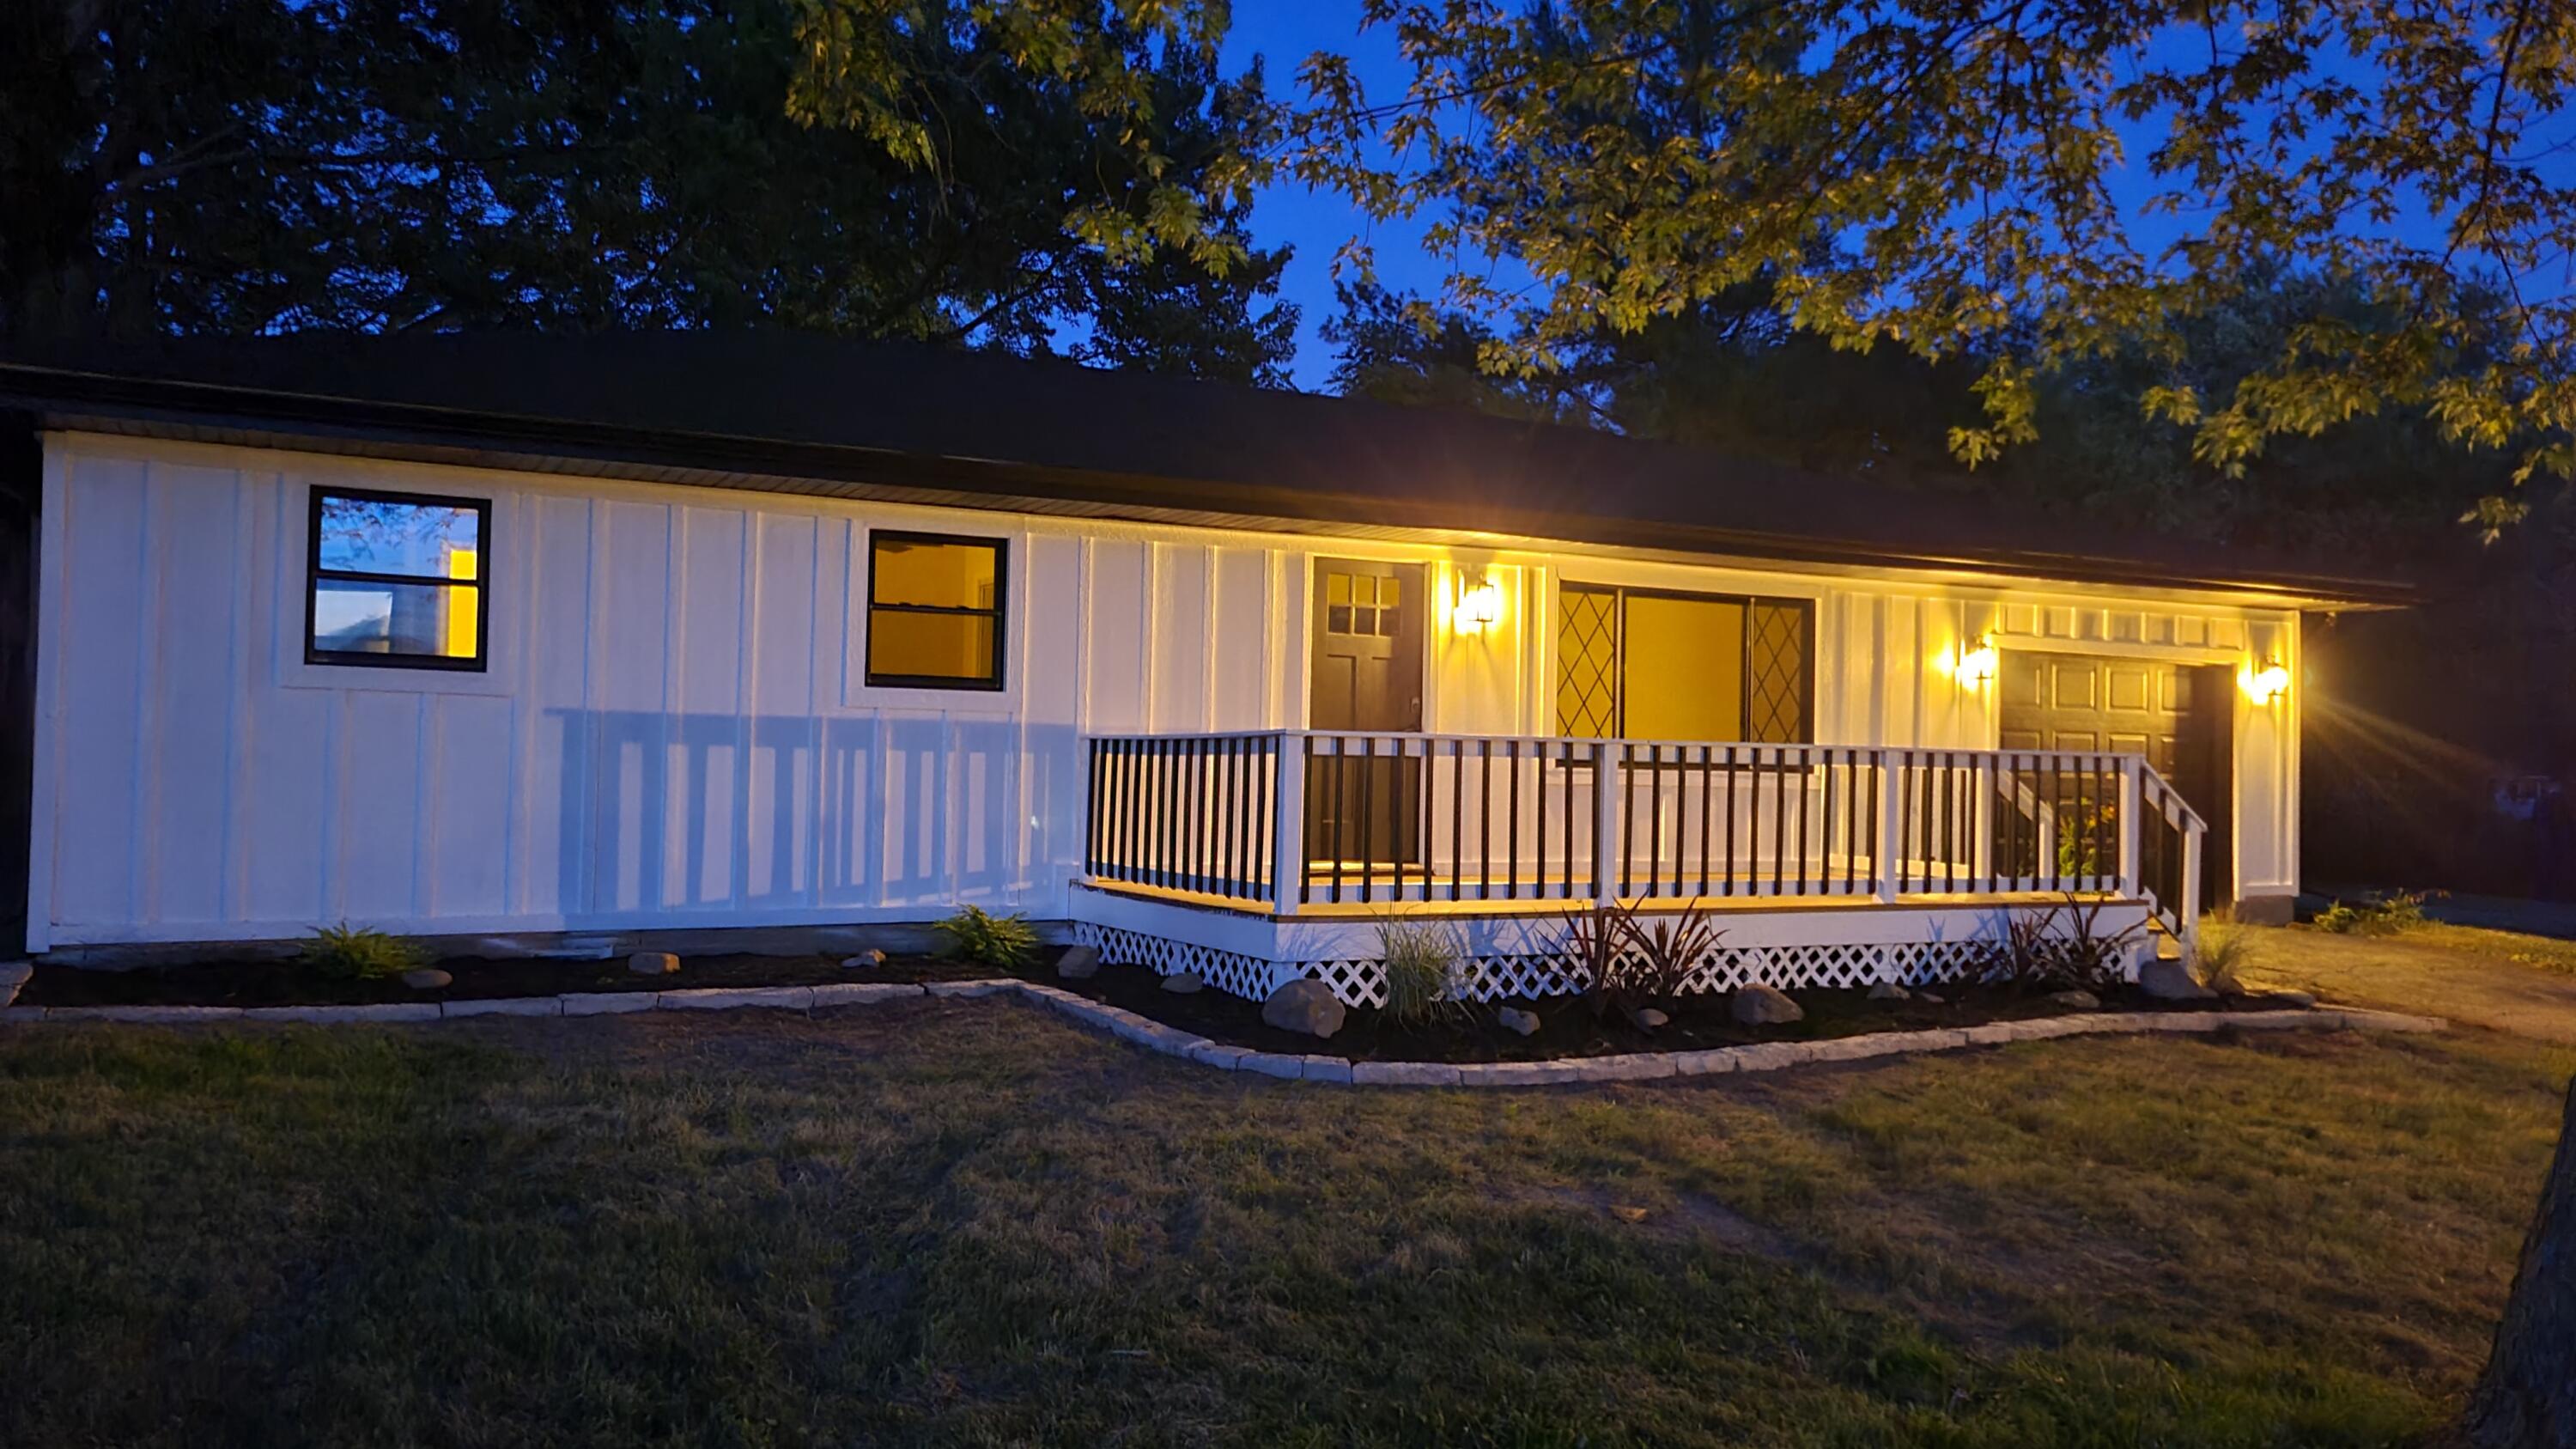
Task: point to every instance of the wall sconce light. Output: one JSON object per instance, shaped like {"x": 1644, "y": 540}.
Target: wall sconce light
{"x": 1480, "y": 601}
{"x": 2264, "y": 682}
{"x": 1975, "y": 665}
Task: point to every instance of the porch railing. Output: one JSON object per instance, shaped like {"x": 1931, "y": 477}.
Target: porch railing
{"x": 1287, "y": 819}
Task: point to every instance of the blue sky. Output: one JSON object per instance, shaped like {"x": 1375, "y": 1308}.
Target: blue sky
{"x": 1284, "y": 33}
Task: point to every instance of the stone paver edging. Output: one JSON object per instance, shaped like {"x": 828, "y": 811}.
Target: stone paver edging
{"x": 1173, "y": 1041}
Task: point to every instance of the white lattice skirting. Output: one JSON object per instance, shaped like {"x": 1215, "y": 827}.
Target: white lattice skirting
{"x": 1250, "y": 956}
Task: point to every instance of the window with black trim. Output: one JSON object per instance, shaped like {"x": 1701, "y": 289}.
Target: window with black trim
{"x": 1653, "y": 665}
{"x": 934, "y": 610}
{"x": 396, "y": 580}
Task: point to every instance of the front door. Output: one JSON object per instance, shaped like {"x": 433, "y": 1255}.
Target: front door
{"x": 2177, "y": 715}
{"x": 1367, "y": 675}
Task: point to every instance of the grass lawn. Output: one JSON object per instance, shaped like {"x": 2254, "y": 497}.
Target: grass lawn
{"x": 971, "y": 1222}
{"x": 2499, "y": 979}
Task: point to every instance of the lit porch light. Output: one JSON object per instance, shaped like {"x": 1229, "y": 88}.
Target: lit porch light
{"x": 1974, "y": 662}
{"x": 2265, "y": 682}
{"x": 1480, "y": 601}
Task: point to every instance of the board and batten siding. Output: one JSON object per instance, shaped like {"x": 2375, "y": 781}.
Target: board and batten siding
{"x": 675, "y": 729}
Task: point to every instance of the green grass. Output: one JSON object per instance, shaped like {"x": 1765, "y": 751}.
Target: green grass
{"x": 973, "y": 1223}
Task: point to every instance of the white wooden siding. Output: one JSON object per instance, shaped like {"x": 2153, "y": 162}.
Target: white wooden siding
{"x": 675, "y": 728}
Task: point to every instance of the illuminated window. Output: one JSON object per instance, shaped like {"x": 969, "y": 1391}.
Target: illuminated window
{"x": 396, "y": 580}
{"x": 934, "y": 611}
{"x": 1661, "y": 666}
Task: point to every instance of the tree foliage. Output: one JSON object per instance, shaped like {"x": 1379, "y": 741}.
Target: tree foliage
{"x": 1005, "y": 177}
{"x": 2028, "y": 187}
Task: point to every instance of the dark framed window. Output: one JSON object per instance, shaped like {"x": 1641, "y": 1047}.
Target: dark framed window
{"x": 1653, "y": 664}
{"x": 396, "y": 580}
{"x": 935, "y": 610}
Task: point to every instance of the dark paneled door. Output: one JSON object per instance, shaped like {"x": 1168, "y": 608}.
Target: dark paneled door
{"x": 1367, "y": 675}
{"x": 2177, "y": 715}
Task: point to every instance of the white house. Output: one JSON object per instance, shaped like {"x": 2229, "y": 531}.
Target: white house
{"x": 454, "y": 636}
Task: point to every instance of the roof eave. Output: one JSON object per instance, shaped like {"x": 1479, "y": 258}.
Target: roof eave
{"x": 76, "y": 400}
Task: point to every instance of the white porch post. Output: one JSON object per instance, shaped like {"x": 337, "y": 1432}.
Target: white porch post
{"x": 2187, "y": 910}
{"x": 1609, "y": 826}
{"x": 1288, "y": 837}
{"x": 2133, "y": 826}
{"x": 1891, "y": 851}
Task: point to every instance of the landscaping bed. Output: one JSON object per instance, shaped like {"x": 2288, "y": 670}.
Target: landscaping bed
{"x": 1567, "y": 1028}
{"x": 1470, "y": 1033}
{"x": 292, "y": 983}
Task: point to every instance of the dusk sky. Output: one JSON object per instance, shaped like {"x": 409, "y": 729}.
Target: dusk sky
{"x": 1283, "y": 33}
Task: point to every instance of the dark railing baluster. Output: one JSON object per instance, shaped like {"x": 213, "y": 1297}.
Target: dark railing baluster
{"x": 1726, "y": 879}
{"x": 1512, "y": 888}
{"x": 1485, "y": 819}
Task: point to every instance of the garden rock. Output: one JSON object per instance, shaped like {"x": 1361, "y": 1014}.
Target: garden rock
{"x": 2301, "y": 999}
{"x": 867, "y": 960}
{"x": 1889, "y": 991}
{"x": 2077, "y": 1000}
{"x": 1648, "y": 1018}
{"x": 1305, "y": 1005}
{"x": 2170, "y": 981}
{"x": 652, "y": 963}
{"x": 1182, "y": 983}
{"x": 13, "y": 974}
{"x": 1759, "y": 1005}
{"x": 1078, "y": 963}
{"x": 1931, "y": 998}
{"x": 1517, "y": 1021}
{"x": 427, "y": 978}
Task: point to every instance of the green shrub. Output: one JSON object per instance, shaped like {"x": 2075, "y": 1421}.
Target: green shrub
{"x": 2060, "y": 949}
{"x": 989, "y": 940}
{"x": 2224, "y": 951}
{"x": 1422, "y": 977}
{"x": 345, "y": 954}
{"x": 1623, "y": 964}
{"x": 2390, "y": 914}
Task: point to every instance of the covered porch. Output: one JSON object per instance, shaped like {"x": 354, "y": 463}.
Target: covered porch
{"x": 1256, "y": 856}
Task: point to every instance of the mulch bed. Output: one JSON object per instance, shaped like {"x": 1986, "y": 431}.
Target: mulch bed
{"x": 1567, "y": 1028}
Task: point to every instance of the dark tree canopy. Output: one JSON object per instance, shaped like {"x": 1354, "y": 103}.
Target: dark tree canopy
{"x": 179, "y": 166}
{"x": 2030, "y": 187}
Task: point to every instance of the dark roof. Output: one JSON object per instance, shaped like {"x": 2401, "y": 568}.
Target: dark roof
{"x": 795, "y": 406}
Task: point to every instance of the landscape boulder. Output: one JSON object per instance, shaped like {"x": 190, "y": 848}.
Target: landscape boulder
{"x": 1648, "y": 1018}
{"x": 1305, "y": 1005}
{"x": 1517, "y": 1021}
{"x": 1182, "y": 983}
{"x": 1078, "y": 963}
{"x": 1889, "y": 991}
{"x": 2076, "y": 1000}
{"x": 13, "y": 974}
{"x": 427, "y": 978}
{"x": 2171, "y": 981}
{"x": 867, "y": 960}
{"x": 652, "y": 963}
{"x": 1759, "y": 1005}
